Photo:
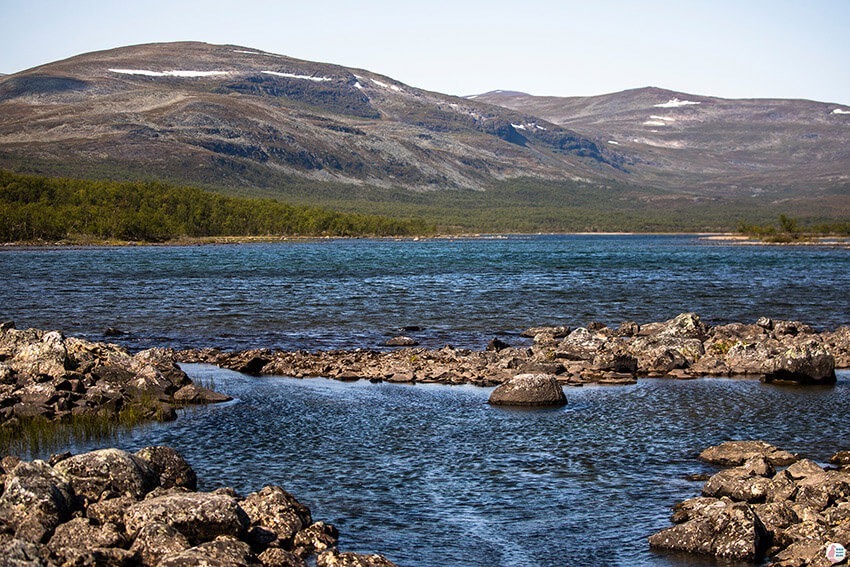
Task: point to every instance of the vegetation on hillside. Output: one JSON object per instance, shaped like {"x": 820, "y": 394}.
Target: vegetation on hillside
{"x": 40, "y": 208}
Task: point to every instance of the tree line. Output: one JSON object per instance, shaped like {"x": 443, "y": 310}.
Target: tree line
{"x": 43, "y": 208}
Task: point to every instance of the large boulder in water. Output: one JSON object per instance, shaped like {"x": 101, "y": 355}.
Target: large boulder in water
{"x": 529, "y": 390}
{"x": 105, "y": 471}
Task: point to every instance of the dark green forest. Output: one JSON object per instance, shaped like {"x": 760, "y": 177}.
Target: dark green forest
{"x": 49, "y": 209}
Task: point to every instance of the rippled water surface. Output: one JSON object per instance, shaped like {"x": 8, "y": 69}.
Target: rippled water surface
{"x": 430, "y": 475}
{"x": 350, "y": 293}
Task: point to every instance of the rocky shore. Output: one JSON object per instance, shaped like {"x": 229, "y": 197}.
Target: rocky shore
{"x": 683, "y": 347}
{"x": 46, "y": 376}
{"x": 771, "y": 503}
{"x": 113, "y": 508}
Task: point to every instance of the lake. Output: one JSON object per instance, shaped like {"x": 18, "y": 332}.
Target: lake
{"x": 430, "y": 475}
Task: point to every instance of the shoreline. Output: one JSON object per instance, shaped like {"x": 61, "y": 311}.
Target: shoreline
{"x": 704, "y": 238}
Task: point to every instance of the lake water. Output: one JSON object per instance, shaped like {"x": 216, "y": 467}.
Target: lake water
{"x": 430, "y": 475}
{"x": 352, "y": 293}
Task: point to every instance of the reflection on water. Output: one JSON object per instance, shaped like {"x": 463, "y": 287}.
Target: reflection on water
{"x": 430, "y": 475}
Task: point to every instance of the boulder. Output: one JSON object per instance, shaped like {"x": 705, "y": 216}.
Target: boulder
{"x": 169, "y": 466}
{"x": 80, "y": 535}
{"x": 497, "y": 344}
{"x": 35, "y": 500}
{"x": 738, "y": 484}
{"x": 838, "y": 344}
{"x": 106, "y": 471}
{"x": 806, "y": 362}
{"x": 732, "y": 532}
{"x": 841, "y": 459}
{"x": 334, "y": 558}
{"x": 550, "y": 332}
{"x": 315, "y": 538}
{"x": 21, "y": 553}
{"x": 581, "y": 344}
{"x": 194, "y": 394}
{"x": 110, "y": 510}
{"x": 529, "y": 390}
{"x": 277, "y": 510}
{"x": 683, "y": 326}
{"x": 224, "y": 551}
{"x": 276, "y": 557}
{"x": 400, "y": 342}
{"x": 736, "y": 453}
{"x": 155, "y": 540}
{"x": 199, "y": 516}
{"x": 248, "y": 362}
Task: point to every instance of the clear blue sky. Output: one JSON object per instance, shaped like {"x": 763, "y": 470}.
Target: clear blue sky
{"x": 771, "y": 49}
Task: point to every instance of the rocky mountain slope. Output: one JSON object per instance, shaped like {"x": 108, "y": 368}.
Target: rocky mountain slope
{"x": 707, "y": 144}
{"x": 252, "y": 123}
{"x": 199, "y": 111}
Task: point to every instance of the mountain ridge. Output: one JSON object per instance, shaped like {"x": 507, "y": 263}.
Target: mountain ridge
{"x": 251, "y": 123}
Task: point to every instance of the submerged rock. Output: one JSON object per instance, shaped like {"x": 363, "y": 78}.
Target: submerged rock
{"x": 529, "y": 390}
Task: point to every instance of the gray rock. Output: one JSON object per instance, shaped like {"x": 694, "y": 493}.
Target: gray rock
{"x": 400, "y": 342}
{"x": 20, "y": 553}
{"x": 199, "y": 516}
{"x": 106, "y": 471}
{"x": 315, "y": 538}
{"x": 276, "y": 557}
{"x": 35, "y": 500}
{"x": 733, "y": 532}
{"x": 841, "y": 459}
{"x": 529, "y": 390}
{"x": 224, "y": 551}
{"x": 194, "y": 394}
{"x": 334, "y": 558}
{"x": 169, "y": 466}
{"x": 581, "y": 344}
{"x": 736, "y": 453}
{"x": 156, "y": 540}
{"x": 803, "y": 468}
{"x": 110, "y": 510}
{"x": 738, "y": 484}
{"x": 277, "y": 510}
{"x": 79, "y": 534}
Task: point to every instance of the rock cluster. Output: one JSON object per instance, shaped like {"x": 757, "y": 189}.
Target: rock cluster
{"x": 683, "y": 347}
{"x": 751, "y": 511}
{"x": 46, "y": 375}
{"x": 111, "y": 508}
{"x": 529, "y": 390}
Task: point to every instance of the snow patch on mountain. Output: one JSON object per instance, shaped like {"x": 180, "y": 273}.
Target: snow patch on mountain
{"x": 294, "y": 76}
{"x": 386, "y": 86}
{"x": 654, "y": 123}
{"x": 653, "y": 117}
{"x": 675, "y": 103}
{"x": 176, "y": 73}
{"x": 840, "y": 111}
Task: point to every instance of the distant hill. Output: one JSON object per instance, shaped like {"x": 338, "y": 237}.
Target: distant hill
{"x": 249, "y": 123}
{"x": 701, "y": 144}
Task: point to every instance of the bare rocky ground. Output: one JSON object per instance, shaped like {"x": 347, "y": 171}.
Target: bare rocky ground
{"x": 113, "y": 508}
{"x": 753, "y": 510}
{"x": 44, "y": 375}
{"x": 683, "y": 347}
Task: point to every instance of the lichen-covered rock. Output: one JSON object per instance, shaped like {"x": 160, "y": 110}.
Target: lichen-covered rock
{"x": 276, "y": 557}
{"x": 529, "y": 390}
{"x": 194, "y": 394}
{"x": 581, "y": 344}
{"x": 81, "y": 533}
{"x": 315, "y": 538}
{"x": 731, "y": 532}
{"x": 110, "y": 510}
{"x": 224, "y": 551}
{"x": 736, "y": 453}
{"x": 108, "y": 471}
{"x": 738, "y": 484}
{"x": 169, "y": 466}
{"x": 199, "y": 516}
{"x": 333, "y": 558}
{"x": 20, "y": 553}
{"x": 35, "y": 500}
{"x": 155, "y": 540}
{"x": 277, "y": 510}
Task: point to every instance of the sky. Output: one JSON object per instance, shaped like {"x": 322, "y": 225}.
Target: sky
{"x": 731, "y": 49}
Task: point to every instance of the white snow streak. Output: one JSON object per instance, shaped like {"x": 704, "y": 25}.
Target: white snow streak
{"x": 169, "y": 73}
{"x": 613, "y": 142}
{"x": 654, "y": 123}
{"x": 357, "y": 85}
{"x": 518, "y": 126}
{"x": 294, "y": 76}
{"x": 675, "y": 103}
{"x": 248, "y": 52}
{"x": 839, "y": 111}
{"x": 662, "y": 118}
{"x": 385, "y": 85}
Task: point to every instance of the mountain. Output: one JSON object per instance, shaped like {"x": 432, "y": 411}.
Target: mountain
{"x": 706, "y": 144}
{"x": 250, "y": 123}
{"x": 239, "y": 112}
